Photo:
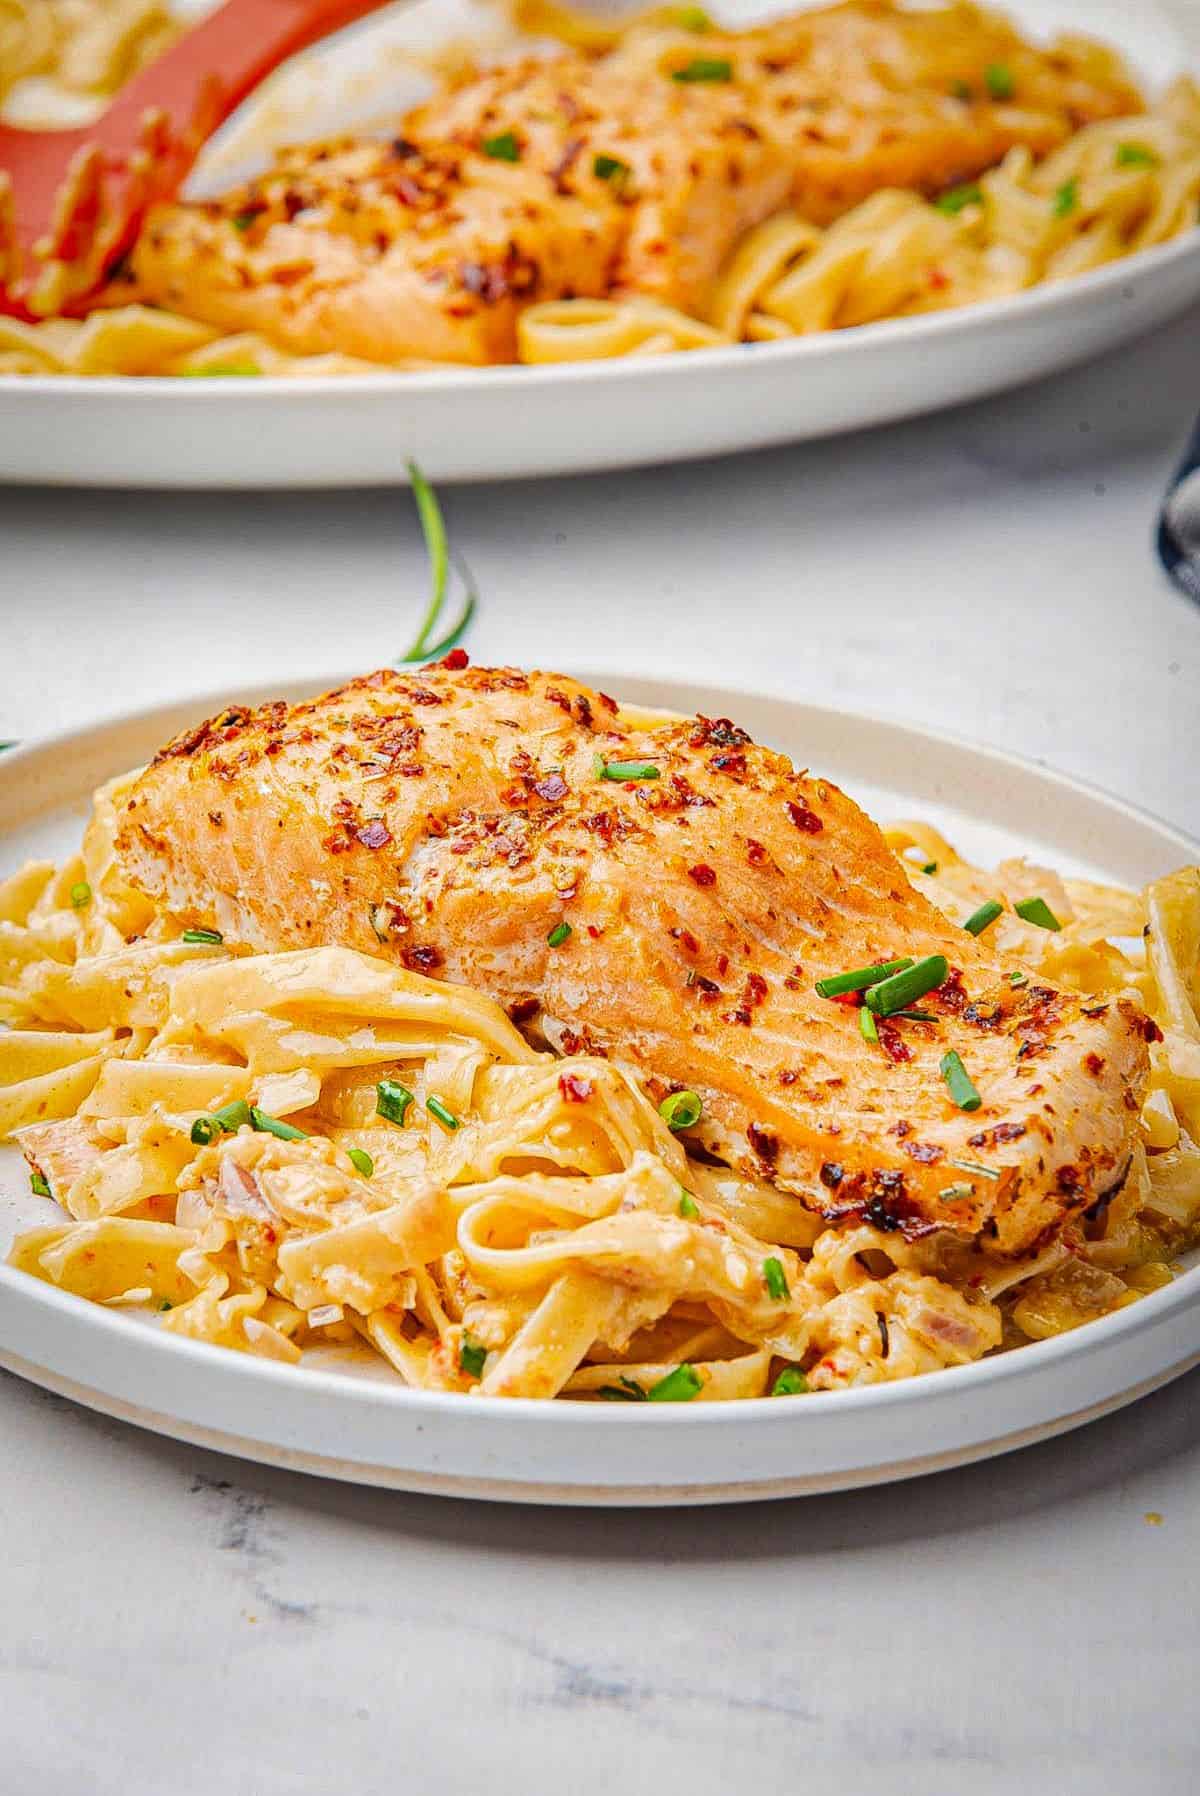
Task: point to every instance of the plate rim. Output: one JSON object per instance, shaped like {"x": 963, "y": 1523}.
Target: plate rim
{"x": 946, "y": 1385}
{"x": 1002, "y": 313}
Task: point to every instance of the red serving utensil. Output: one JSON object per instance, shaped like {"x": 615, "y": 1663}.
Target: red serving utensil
{"x": 72, "y": 202}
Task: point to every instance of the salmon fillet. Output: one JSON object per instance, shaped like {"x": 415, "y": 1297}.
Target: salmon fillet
{"x": 608, "y": 175}
{"x": 452, "y": 819}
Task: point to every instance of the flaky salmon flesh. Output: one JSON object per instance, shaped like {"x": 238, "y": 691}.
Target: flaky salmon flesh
{"x": 452, "y": 821}
{"x": 585, "y": 176}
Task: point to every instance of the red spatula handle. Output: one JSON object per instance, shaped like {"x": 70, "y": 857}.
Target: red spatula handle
{"x": 222, "y": 59}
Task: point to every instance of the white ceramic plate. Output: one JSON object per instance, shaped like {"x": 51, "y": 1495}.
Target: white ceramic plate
{"x": 475, "y": 424}
{"x": 346, "y": 1416}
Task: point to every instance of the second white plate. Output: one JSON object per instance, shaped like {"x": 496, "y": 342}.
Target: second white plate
{"x": 348, "y": 1417}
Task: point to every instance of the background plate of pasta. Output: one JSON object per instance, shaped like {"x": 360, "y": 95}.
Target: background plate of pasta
{"x": 672, "y": 232}
{"x": 316, "y": 1150}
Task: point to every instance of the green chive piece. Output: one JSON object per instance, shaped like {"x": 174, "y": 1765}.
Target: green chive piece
{"x": 502, "y": 148}
{"x": 957, "y": 199}
{"x": 1066, "y": 198}
{"x": 1135, "y": 155}
{"x": 241, "y": 221}
{"x": 679, "y": 1386}
{"x": 558, "y": 935}
{"x": 271, "y": 1125}
{"x": 437, "y": 1109}
{"x": 775, "y": 1279}
{"x": 81, "y": 895}
{"x": 903, "y": 988}
{"x": 38, "y": 1185}
{"x": 980, "y": 1171}
{"x": 998, "y": 79}
{"x": 692, "y": 18}
{"x": 626, "y": 770}
{"x": 1036, "y": 910}
{"x": 952, "y": 1194}
{"x": 204, "y": 1130}
{"x": 929, "y": 866}
{"x": 232, "y": 1117}
{"x": 859, "y": 979}
{"x": 962, "y": 90}
{"x": 688, "y": 1206}
{"x": 958, "y": 1081}
{"x": 867, "y": 1026}
{"x": 433, "y": 528}
{"x": 979, "y": 919}
{"x": 471, "y": 1355}
{"x": 361, "y": 1161}
{"x": 627, "y": 1391}
{"x": 704, "y": 68}
{"x": 166, "y": 1304}
{"x": 203, "y": 938}
{"x": 221, "y": 371}
{"x": 392, "y": 1101}
{"x": 1016, "y": 979}
{"x": 681, "y": 1110}
{"x": 612, "y": 169}
{"x": 790, "y": 1383}
{"x": 911, "y": 1016}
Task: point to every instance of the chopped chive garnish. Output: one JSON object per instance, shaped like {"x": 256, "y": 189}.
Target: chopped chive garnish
{"x": 868, "y": 1028}
{"x": 1036, "y": 910}
{"x": 1066, "y": 198}
{"x": 205, "y": 938}
{"x": 688, "y": 1206}
{"x": 998, "y": 78}
{"x": 38, "y": 1185}
{"x": 983, "y": 1172}
{"x": 271, "y": 1125}
{"x": 681, "y": 1110}
{"x": 471, "y": 1355}
{"x": 221, "y": 371}
{"x": 627, "y": 1391}
{"x": 790, "y": 1383}
{"x": 705, "y": 68}
{"x": 392, "y": 1101}
{"x": 692, "y": 18}
{"x": 1135, "y": 155}
{"x": 81, "y": 895}
{"x": 929, "y": 866}
{"x": 166, "y": 1304}
{"x": 558, "y": 935}
{"x": 502, "y": 148}
{"x": 613, "y": 170}
{"x": 911, "y": 1016}
{"x": 860, "y": 978}
{"x": 625, "y": 770}
{"x": 979, "y": 919}
{"x": 951, "y": 1194}
{"x": 957, "y": 199}
{"x": 903, "y": 988}
{"x": 361, "y": 1161}
{"x": 962, "y": 90}
{"x": 775, "y": 1279}
{"x": 437, "y": 1109}
{"x": 1016, "y": 979}
{"x": 232, "y": 1117}
{"x": 679, "y": 1386}
{"x": 241, "y": 221}
{"x": 958, "y": 1081}
{"x": 204, "y": 1130}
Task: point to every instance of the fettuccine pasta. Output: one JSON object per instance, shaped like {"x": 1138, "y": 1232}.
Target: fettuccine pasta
{"x": 266, "y": 1152}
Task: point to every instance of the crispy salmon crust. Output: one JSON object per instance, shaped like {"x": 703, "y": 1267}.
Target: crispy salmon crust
{"x": 584, "y": 176}
{"x": 453, "y": 819}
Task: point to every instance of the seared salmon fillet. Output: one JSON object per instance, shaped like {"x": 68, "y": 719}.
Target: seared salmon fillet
{"x": 453, "y": 820}
{"x": 634, "y": 172}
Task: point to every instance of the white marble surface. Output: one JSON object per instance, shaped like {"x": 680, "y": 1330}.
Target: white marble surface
{"x": 172, "y": 1619}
